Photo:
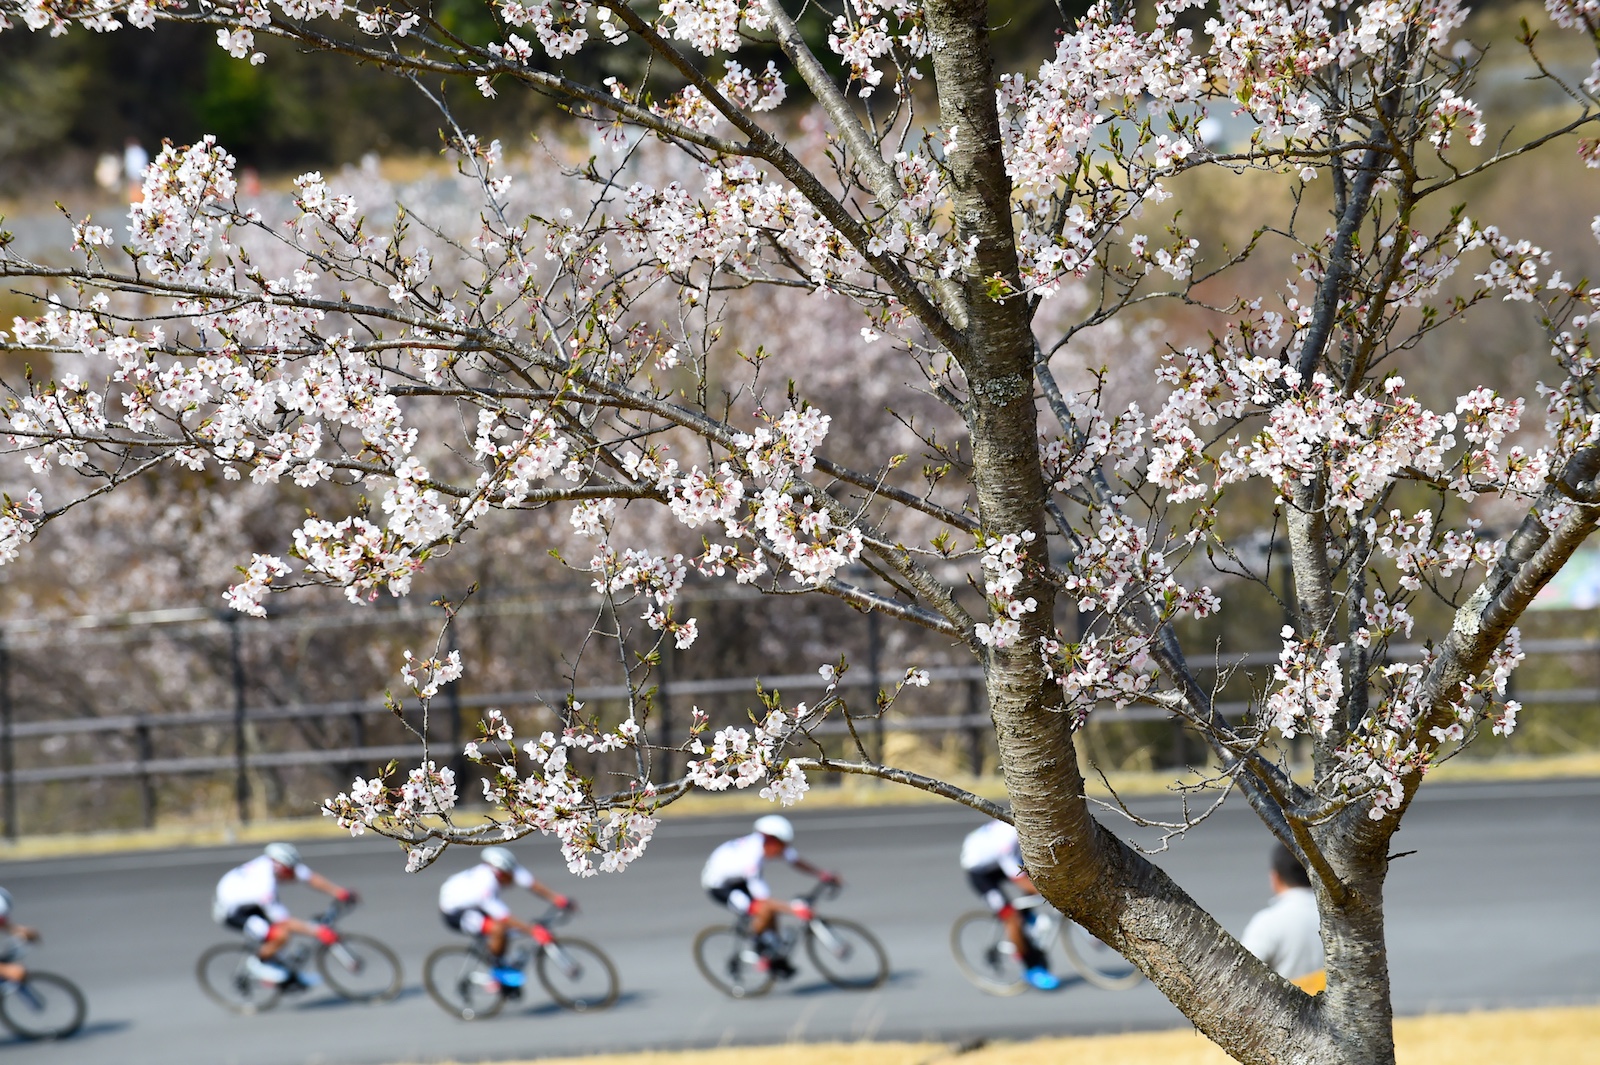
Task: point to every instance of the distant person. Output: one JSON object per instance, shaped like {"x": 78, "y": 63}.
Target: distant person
{"x": 247, "y": 901}
{"x": 10, "y": 970}
{"x": 732, "y": 877}
{"x": 991, "y": 856}
{"x": 108, "y": 171}
{"x": 470, "y": 903}
{"x": 1286, "y": 935}
{"x": 135, "y": 161}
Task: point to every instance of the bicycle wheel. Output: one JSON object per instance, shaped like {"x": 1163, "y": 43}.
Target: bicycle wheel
{"x": 985, "y": 955}
{"x": 577, "y": 975}
{"x": 44, "y": 1006}
{"x": 225, "y": 977}
{"x": 359, "y": 968}
{"x": 1099, "y": 964}
{"x": 847, "y": 954}
{"x": 728, "y": 959}
{"x": 459, "y": 980}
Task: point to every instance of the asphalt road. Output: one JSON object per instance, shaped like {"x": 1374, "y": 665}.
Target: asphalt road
{"x": 1497, "y": 907}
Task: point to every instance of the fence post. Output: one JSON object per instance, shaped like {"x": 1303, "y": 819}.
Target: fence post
{"x": 7, "y": 757}
{"x": 664, "y": 701}
{"x": 975, "y": 731}
{"x": 874, "y": 651}
{"x": 147, "y": 786}
{"x": 241, "y": 781}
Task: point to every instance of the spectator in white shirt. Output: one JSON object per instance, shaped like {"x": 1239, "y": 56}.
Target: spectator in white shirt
{"x": 1287, "y": 934}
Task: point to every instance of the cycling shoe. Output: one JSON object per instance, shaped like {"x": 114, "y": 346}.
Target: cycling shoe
{"x": 1042, "y": 978}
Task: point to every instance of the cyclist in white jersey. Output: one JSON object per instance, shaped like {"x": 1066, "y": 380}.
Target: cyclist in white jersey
{"x": 991, "y": 856}
{"x": 732, "y": 876}
{"x": 470, "y": 900}
{"x": 247, "y": 901}
{"x": 10, "y": 970}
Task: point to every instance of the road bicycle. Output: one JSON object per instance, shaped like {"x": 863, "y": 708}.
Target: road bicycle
{"x": 847, "y": 955}
{"x": 468, "y": 981}
{"x": 354, "y": 966}
{"x": 40, "y": 1005}
{"x": 988, "y": 958}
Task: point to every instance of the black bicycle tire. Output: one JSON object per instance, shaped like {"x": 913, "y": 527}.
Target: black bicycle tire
{"x": 1122, "y": 981}
{"x": 568, "y": 1002}
{"x": 819, "y": 957}
{"x": 974, "y": 974}
{"x": 429, "y": 981}
{"x": 270, "y": 994}
{"x": 708, "y": 968}
{"x": 332, "y": 974}
{"x": 24, "y": 1030}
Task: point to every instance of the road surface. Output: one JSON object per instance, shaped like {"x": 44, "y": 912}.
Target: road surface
{"x": 1496, "y": 907}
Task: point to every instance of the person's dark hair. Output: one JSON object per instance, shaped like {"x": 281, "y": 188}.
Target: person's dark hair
{"x": 1288, "y": 867}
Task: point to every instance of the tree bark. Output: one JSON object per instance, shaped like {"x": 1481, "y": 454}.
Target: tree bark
{"x": 1080, "y": 867}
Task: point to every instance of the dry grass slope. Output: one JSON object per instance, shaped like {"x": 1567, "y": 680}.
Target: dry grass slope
{"x": 1564, "y": 1036}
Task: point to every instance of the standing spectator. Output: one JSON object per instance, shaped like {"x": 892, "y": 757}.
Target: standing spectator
{"x": 1286, "y": 934}
{"x": 135, "y": 161}
{"x": 108, "y": 171}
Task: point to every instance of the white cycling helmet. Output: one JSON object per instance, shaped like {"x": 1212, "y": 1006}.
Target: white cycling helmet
{"x": 501, "y": 859}
{"x": 285, "y": 854}
{"x": 776, "y": 826}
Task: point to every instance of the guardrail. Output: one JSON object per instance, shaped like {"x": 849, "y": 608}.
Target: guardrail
{"x": 242, "y": 760}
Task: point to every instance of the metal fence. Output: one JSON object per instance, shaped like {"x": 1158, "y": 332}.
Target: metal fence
{"x": 455, "y": 713}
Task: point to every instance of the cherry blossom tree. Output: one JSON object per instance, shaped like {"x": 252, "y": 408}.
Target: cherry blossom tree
{"x": 563, "y": 354}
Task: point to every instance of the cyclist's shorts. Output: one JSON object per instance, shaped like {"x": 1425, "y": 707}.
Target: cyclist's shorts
{"x": 250, "y": 919}
{"x": 990, "y": 885}
{"x": 735, "y": 895}
{"x": 470, "y": 920}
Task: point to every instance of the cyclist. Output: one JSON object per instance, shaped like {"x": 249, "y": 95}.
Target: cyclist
{"x": 732, "y": 876}
{"x": 470, "y": 903}
{"x": 247, "y": 901}
{"x": 10, "y": 970}
{"x": 991, "y": 856}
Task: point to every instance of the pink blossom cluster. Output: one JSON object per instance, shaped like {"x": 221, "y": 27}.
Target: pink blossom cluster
{"x": 870, "y": 31}
{"x": 1103, "y": 667}
{"x": 724, "y": 225}
{"x": 1451, "y": 113}
{"x": 1366, "y": 441}
{"x": 739, "y": 758}
{"x": 1003, "y": 560}
{"x": 542, "y": 791}
{"x": 425, "y": 676}
{"x": 1098, "y": 440}
{"x": 711, "y": 26}
{"x": 1420, "y": 551}
{"x": 1310, "y": 684}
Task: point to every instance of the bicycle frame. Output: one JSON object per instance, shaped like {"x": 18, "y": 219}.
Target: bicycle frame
{"x": 297, "y": 953}
{"x": 1045, "y": 928}
{"x": 540, "y": 941}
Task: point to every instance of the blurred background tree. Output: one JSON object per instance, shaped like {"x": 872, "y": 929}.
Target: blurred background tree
{"x": 66, "y": 100}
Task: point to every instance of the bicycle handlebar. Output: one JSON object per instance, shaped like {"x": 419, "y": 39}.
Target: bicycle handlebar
{"x": 555, "y": 915}
{"x": 822, "y": 889}
{"x": 336, "y": 909}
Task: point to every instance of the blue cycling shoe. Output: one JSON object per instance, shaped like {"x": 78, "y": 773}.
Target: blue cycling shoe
{"x": 508, "y": 977}
{"x": 1042, "y": 978}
